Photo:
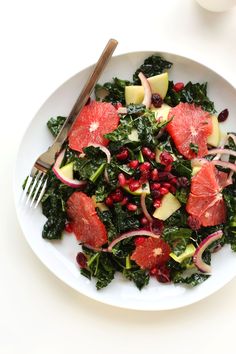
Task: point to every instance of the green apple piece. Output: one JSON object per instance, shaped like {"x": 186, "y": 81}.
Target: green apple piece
{"x": 159, "y": 84}
{"x": 133, "y": 136}
{"x": 101, "y": 206}
{"x": 144, "y": 189}
{"x": 215, "y": 137}
{"x": 169, "y": 204}
{"x": 67, "y": 170}
{"x": 195, "y": 170}
{"x": 189, "y": 252}
{"x": 162, "y": 112}
{"x": 134, "y": 94}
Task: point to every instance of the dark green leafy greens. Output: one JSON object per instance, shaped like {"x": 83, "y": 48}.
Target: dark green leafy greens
{"x": 113, "y": 92}
{"x": 55, "y": 125}
{"x": 153, "y": 65}
{"x": 191, "y": 93}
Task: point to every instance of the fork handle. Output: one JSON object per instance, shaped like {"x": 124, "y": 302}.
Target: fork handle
{"x": 84, "y": 95}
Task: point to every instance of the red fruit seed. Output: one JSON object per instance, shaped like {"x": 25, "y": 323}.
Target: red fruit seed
{"x": 178, "y": 86}
{"x": 131, "y": 207}
{"x": 123, "y": 155}
{"x": 166, "y": 185}
{"x": 154, "y": 174}
{"x": 144, "y": 220}
{"x": 81, "y": 260}
{"x": 134, "y": 185}
{"x": 133, "y": 164}
{"x": 145, "y": 167}
{"x": 155, "y": 186}
{"x": 163, "y": 190}
{"x": 68, "y": 228}
{"x": 146, "y": 152}
{"x": 109, "y": 201}
{"x": 124, "y": 201}
{"x": 121, "y": 179}
{"x": 157, "y": 203}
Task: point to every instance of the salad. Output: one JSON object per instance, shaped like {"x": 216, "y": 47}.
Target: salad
{"x": 145, "y": 181}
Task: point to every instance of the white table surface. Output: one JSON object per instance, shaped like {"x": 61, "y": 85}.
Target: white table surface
{"x": 42, "y": 44}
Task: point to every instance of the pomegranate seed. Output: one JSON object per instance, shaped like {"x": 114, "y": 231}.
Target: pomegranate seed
{"x": 121, "y": 179}
{"x": 166, "y": 185}
{"x": 168, "y": 168}
{"x": 144, "y": 220}
{"x": 131, "y": 207}
{"x": 146, "y": 152}
{"x": 145, "y": 166}
{"x": 139, "y": 240}
{"x": 134, "y": 185}
{"x": 154, "y": 174}
{"x": 157, "y": 226}
{"x": 223, "y": 115}
{"x": 173, "y": 180}
{"x": 109, "y": 201}
{"x": 118, "y": 105}
{"x": 124, "y": 201}
{"x": 134, "y": 164}
{"x": 117, "y": 196}
{"x": 166, "y": 158}
{"x": 157, "y": 203}
{"x": 123, "y": 155}
{"x": 145, "y": 175}
{"x": 153, "y": 271}
{"x": 81, "y": 260}
{"x": 178, "y": 86}
{"x": 163, "y": 190}
{"x": 152, "y": 156}
{"x": 68, "y": 228}
{"x": 172, "y": 189}
{"x": 155, "y": 186}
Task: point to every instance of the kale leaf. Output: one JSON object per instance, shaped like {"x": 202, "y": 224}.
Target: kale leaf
{"x": 191, "y": 93}
{"x": 55, "y": 125}
{"x": 113, "y": 92}
{"x": 192, "y": 280}
{"x": 140, "y": 277}
{"x": 153, "y": 65}
{"x": 178, "y": 238}
{"x": 124, "y": 220}
{"x": 230, "y": 227}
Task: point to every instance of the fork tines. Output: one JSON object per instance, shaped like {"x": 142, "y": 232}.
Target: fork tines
{"x": 34, "y": 189}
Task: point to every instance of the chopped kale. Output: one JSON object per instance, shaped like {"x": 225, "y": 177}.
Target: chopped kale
{"x": 177, "y": 238}
{"x": 192, "y": 280}
{"x": 191, "y": 93}
{"x": 140, "y": 277}
{"x": 153, "y": 65}
{"x": 55, "y": 125}
{"x": 113, "y": 92}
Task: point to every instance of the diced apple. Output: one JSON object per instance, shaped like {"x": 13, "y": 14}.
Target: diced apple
{"x": 188, "y": 252}
{"x": 134, "y": 94}
{"x": 169, "y": 204}
{"x": 144, "y": 189}
{"x": 161, "y": 114}
{"x": 159, "y": 84}
{"x": 67, "y": 170}
{"x": 195, "y": 170}
{"x": 133, "y": 136}
{"x": 101, "y": 206}
{"x": 214, "y": 138}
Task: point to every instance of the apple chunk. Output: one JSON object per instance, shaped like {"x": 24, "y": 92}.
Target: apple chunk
{"x": 214, "y": 138}
{"x": 158, "y": 83}
{"x": 134, "y": 94}
{"x": 169, "y": 204}
{"x": 162, "y": 112}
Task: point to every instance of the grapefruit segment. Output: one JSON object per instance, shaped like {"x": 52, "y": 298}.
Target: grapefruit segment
{"x": 205, "y": 200}
{"x": 151, "y": 252}
{"x": 189, "y": 128}
{"x": 94, "y": 120}
{"x": 85, "y": 222}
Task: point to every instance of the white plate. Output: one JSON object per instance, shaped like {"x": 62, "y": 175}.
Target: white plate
{"x": 59, "y": 256}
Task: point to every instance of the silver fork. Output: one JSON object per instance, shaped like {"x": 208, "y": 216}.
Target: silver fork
{"x": 37, "y": 180}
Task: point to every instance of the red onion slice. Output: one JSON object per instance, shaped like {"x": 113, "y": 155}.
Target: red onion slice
{"x": 144, "y": 207}
{"x": 131, "y": 234}
{"x": 221, "y": 152}
{"x": 71, "y": 182}
{"x": 224, "y": 164}
{"x": 147, "y": 90}
{"x": 197, "y": 257}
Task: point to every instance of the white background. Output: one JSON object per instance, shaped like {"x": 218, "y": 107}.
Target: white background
{"x": 42, "y": 44}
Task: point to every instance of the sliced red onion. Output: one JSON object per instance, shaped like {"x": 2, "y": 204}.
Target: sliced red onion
{"x": 131, "y": 234}
{"x": 95, "y": 249}
{"x": 197, "y": 257}
{"x": 71, "y": 182}
{"x": 147, "y": 90}
{"x": 221, "y": 152}
{"x": 108, "y": 155}
{"x": 144, "y": 207}
{"x": 224, "y": 164}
